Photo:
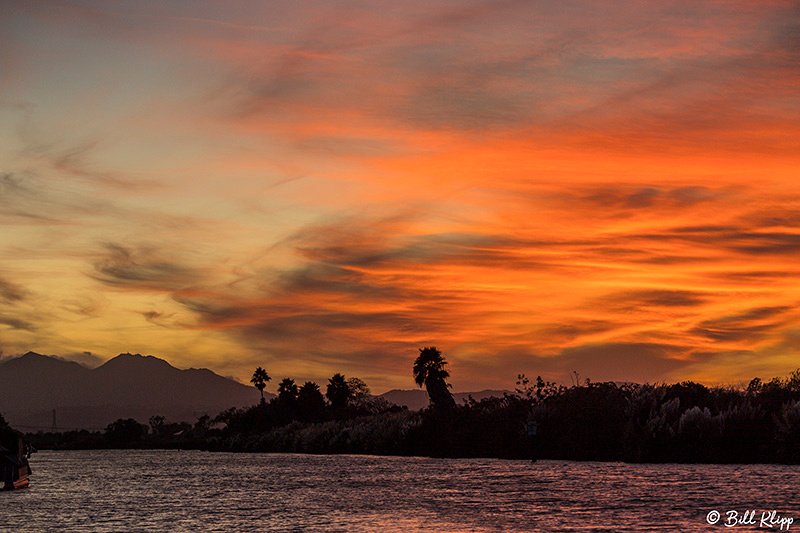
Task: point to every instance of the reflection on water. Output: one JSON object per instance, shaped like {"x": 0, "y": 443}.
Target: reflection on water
{"x": 157, "y": 490}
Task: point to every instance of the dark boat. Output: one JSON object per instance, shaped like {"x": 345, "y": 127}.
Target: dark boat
{"x": 14, "y": 453}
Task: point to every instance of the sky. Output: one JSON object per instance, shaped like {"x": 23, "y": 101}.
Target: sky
{"x": 538, "y": 187}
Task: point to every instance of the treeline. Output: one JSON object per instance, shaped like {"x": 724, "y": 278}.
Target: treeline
{"x": 345, "y": 399}
{"x": 348, "y": 420}
{"x": 682, "y": 422}
{"x": 128, "y": 434}
{"x": 489, "y": 428}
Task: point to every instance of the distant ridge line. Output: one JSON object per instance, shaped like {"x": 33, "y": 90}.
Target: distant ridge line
{"x": 126, "y": 386}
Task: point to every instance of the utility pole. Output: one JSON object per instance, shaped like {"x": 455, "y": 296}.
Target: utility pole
{"x": 54, "y": 419}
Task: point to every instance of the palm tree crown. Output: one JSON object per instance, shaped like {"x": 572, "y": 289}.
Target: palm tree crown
{"x": 430, "y": 370}
{"x": 287, "y": 390}
{"x": 338, "y": 392}
{"x": 259, "y": 379}
{"x": 310, "y": 402}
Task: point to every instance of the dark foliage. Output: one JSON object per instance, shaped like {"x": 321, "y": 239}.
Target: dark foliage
{"x": 582, "y": 423}
{"x": 682, "y": 422}
{"x": 125, "y": 433}
{"x": 494, "y": 427}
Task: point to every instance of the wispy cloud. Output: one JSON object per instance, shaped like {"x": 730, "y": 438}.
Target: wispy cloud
{"x": 11, "y": 292}
{"x": 532, "y": 187}
{"x": 143, "y": 269}
{"x": 748, "y": 326}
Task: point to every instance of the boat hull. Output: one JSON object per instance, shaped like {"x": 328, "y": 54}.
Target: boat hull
{"x": 21, "y": 483}
{"x": 14, "y": 453}
{"x": 16, "y": 477}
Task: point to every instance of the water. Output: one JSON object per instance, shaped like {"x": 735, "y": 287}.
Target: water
{"x": 176, "y": 491}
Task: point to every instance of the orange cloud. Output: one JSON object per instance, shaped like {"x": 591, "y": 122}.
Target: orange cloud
{"x": 532, "y": 187}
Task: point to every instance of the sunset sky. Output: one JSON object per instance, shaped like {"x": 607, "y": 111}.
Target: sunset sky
{"x": 611, "y": 188}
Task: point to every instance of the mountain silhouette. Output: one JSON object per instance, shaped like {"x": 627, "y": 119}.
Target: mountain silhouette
{"x": 129, "y": 385}
{"x": 416, "y": 399}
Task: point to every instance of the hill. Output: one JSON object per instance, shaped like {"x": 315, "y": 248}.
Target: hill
{"x": 135, "y": 386}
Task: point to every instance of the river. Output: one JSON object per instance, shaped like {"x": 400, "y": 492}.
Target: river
{"x": 177, "y": 491}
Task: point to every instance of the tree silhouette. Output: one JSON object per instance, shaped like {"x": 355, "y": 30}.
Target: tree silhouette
{"x": 259, "y": 380}
{"x": 357, "y": 388}
{"x": 157, "y": 424}
{"x": 430, "y": 370}
{"x": 310, "y": 403}
{"x": 287, "y": 391}
{"x": 202, "y": 425}
{"x": 286, "y": 402}
{"x": 125, "y": 433}
{"x": 338, "y": 392}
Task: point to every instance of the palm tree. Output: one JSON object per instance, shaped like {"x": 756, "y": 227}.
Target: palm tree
{"x": 287, "y": 391}
{"x": 430, "y": 370}
{"x": 287, "y": 400}
{"x": 259, "y": 379}
{"x": 338, "y": 392}
{"x": 310, "y": 403}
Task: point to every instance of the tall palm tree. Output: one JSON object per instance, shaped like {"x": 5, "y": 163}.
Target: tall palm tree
{"x": 259, "y": 379}
{"x": 430, "y": 370}
{"x": 338, "y": 392}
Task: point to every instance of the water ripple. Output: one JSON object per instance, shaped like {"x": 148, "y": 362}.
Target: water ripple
{"x": 178, "y": 491}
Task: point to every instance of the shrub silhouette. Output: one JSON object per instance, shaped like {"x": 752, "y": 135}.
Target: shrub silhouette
{"x": 124, "y": 433}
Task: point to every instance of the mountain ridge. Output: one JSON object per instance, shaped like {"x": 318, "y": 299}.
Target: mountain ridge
{"x": 135, "y": 386}
{"x": 128, "y": 385}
